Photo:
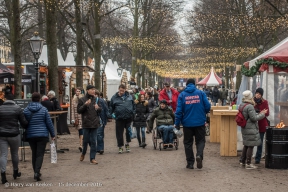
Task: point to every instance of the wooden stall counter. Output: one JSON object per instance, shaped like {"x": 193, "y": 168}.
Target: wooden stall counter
{"x": 215, "y": 124}
{"x": 228, "y": 134}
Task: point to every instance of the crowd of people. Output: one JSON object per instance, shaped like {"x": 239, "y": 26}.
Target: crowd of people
{"x": 167, "y": 109}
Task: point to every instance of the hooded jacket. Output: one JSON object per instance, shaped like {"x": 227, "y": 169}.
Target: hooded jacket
{"x": 192, "y": 107}
{"x": 122, "y": 106}
{"x": 250, "y": 133}
{"x": 10, "y": 115}
{"x": 40, "y": 124}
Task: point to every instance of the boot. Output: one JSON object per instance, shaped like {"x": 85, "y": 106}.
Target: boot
{"x": 139, "y": 141}
{"x": 16, "y": 174}
{"x": 3, "y": 178}
{"x": 143, "y": 143}
{"x": 37, "y": 176}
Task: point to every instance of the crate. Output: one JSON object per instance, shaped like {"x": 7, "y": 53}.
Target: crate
{"x": 275, "y": 134}
{"x": 276, "y": 161}
{"x": 276, "y": 147}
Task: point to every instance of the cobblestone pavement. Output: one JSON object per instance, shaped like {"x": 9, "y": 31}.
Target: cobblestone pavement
{"x": 142, "y": 170}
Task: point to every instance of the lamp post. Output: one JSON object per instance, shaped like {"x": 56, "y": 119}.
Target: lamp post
{"x": 36, "y": 44}
{"x": 146, "y": 80}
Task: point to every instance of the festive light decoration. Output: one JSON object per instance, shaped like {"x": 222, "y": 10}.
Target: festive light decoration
{"x": 254, "y": 69}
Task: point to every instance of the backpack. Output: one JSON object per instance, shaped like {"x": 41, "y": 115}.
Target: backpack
{"x": 240, "y": 119}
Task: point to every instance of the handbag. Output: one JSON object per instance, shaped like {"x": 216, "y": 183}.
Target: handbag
{"x": 24, "y": 135}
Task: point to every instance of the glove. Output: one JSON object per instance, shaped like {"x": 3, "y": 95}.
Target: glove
{"x": 177, "y": 127}
{"x": 72, "y": 121}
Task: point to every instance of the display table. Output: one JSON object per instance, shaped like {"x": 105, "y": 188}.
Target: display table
{"x": 228, "y": 133}
{"x": 54, "y": 115}
{"x": 215, "y": 124}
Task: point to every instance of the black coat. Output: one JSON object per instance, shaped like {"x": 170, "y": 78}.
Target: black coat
{"x": 142, "y": 112}
{"x": 56, "y": 104}
{"x": 10, "y": 115}
{"x": 49, "y": 105}
{"x": 90, "y": 117}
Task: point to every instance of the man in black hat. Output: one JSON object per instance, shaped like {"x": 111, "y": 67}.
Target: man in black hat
{"x": 90, "y": 111}
{"x": 191, "y": 111}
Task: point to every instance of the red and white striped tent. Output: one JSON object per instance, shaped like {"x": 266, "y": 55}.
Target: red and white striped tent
{"x": 212, "y": 79}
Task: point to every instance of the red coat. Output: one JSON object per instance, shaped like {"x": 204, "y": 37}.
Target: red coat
{"x": 263, "y": 122}
{"x": 164, "y": 95}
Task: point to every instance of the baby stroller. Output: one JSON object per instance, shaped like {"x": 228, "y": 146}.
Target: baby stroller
{"x": 207, "y": 124}
{"x": 158, "y": 135}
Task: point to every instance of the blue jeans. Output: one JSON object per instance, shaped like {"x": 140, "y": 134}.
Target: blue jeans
{"x": 100, "y": 138}
{"x": 224, "y": 102}
{"x": 90, "y": 137}
{"x": 259, "y": 148}
{"x": 167, "y": 135}
{"x": 142, "y": 133}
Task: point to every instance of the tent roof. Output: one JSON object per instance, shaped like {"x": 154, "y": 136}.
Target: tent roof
{"x": 211, "y": 79}
{"x": 44, "y": 56}
{"x": 279, "y": 52}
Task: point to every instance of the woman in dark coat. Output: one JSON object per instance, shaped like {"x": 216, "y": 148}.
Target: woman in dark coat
{"x": 142, "y": 112}
{"x": 250, "y": 132}
{"x": 151, "y": 105}
{"x": 261, "y": 104}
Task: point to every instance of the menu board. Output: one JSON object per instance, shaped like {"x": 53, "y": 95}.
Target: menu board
{"x": 23, "y": 103}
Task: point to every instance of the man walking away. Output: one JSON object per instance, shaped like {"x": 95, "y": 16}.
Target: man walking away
{"x": 122, "y": 108}
{"x": 89, "y": 109}
{"x": 191, "y": 111}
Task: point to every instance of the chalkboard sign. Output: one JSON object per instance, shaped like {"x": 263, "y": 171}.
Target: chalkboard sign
{"x": 23, "y": 103}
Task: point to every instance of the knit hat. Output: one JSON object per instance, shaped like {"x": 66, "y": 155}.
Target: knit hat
{"x": 260, "y": 91}
{"x": 190, "y": 81}
{"x": 163, "y": 101}
{"x": 90, "y": 87}
{"x": 247, "y": 95}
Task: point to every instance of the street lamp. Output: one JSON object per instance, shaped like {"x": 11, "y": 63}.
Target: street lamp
{"x": 36, "y": 44}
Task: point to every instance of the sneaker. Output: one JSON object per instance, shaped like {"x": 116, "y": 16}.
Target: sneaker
{"x": 82, "y": 157}
{"x": 251, "y": 166}
{"x": 189, "y": 166}
{"x": 93, "y": 161}
{"x": 127, "y": 148}
{"x": 165, "y": 146}
{"x": 199, "y": 162}
{"x": 120, "y": 150}
{"x": 243, "y": 164}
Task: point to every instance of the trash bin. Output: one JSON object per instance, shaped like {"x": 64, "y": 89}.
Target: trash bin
{"x": 276, "y": 154}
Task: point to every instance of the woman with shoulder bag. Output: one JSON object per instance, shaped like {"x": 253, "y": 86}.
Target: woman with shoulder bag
{"x": 250, "y": 132}
{"x": 76, "y": 117}
{"x": 142, "y": 112}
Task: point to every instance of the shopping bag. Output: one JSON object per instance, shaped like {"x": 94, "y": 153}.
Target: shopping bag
{"x": 53, "y": 152}
{"x": 134, "y": 134}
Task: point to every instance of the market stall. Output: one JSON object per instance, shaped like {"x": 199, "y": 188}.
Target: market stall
{"x": 212, "y": 79}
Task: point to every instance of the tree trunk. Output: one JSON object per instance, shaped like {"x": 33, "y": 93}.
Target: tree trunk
{"x": 79, "y": 36}
{"x": 40, "y": 19}
{"x": 16, "y": 41}
{"x": 97, "y": 44}
{"x": 51, "y": 40}
{"x": 135, "y": 36}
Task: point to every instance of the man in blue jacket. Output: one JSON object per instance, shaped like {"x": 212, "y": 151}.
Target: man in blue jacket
{"x": 122, "y": 108}
{"x": 192, "y": 107}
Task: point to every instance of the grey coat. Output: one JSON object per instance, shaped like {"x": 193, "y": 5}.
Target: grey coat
{"x": 250, "y": 133}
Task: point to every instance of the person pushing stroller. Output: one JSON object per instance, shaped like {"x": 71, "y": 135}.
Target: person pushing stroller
{"x": 164, "y": 123}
